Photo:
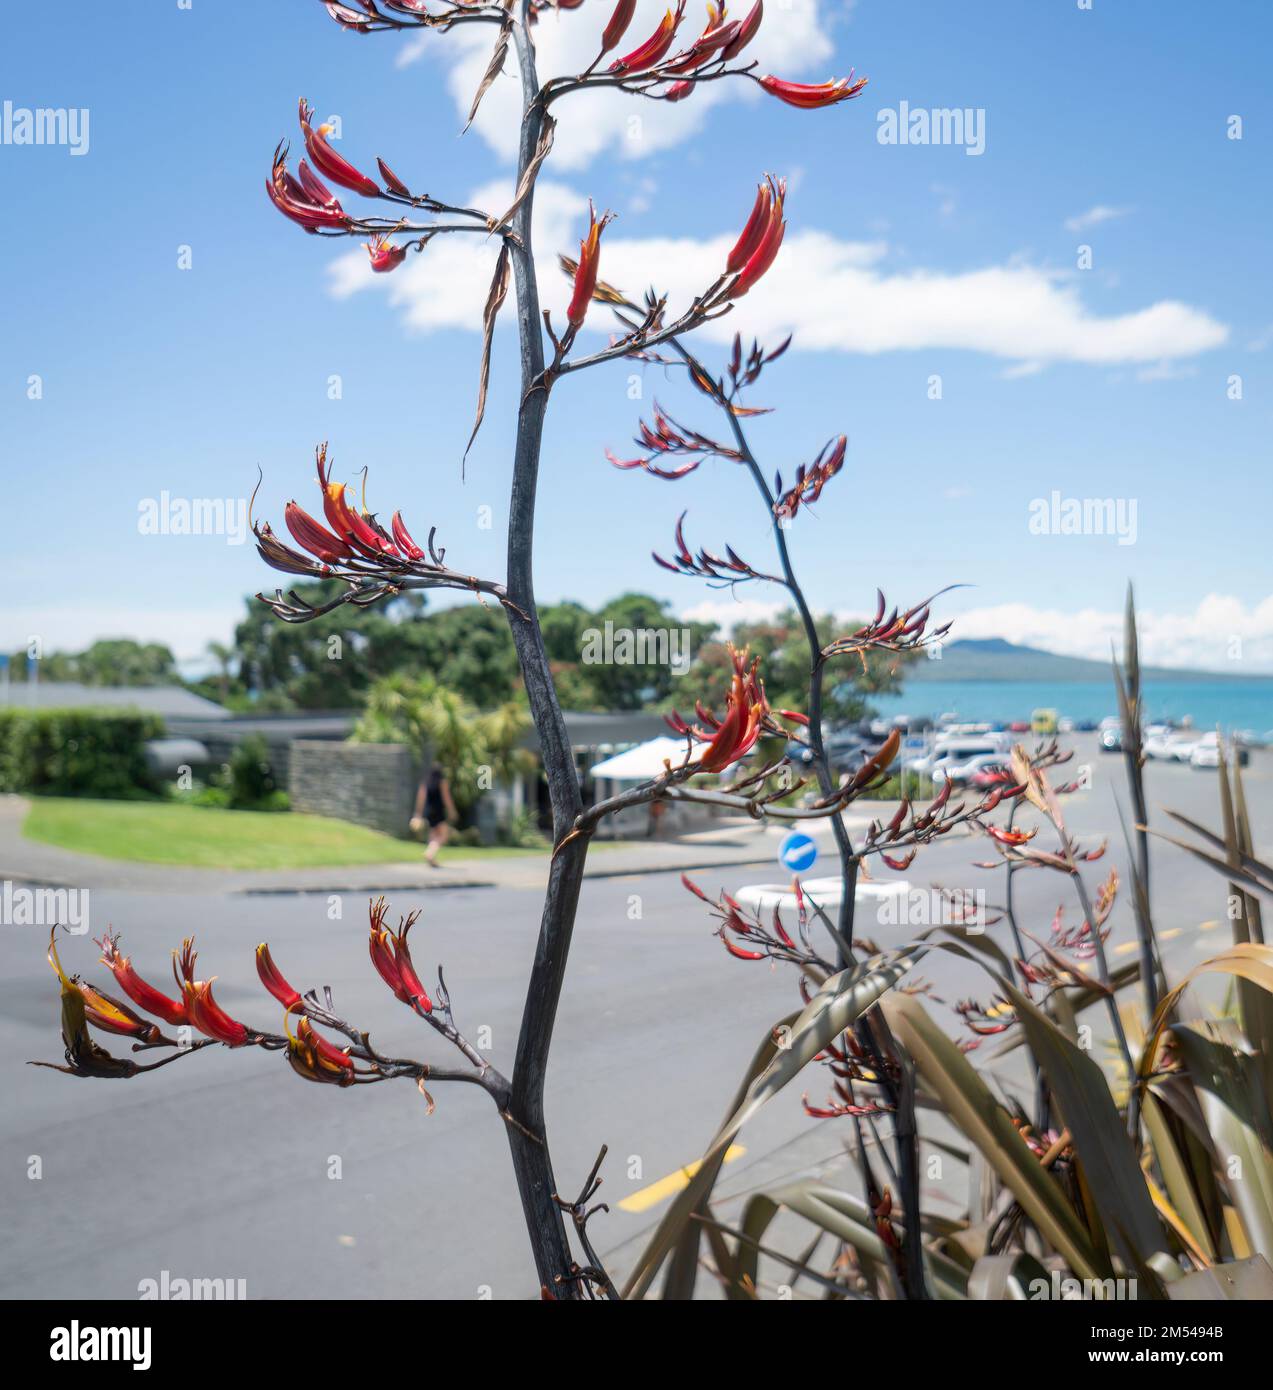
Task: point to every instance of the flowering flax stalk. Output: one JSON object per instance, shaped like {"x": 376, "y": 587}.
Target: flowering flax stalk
{"x": 350, "y": 545}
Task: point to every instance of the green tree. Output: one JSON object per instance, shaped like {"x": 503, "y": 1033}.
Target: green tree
{"x": 617, "y": 681}
{"x": 440, "y": 724}
{"x": 223, "y": 656}
{"x": 332, "y": 662}
{"x": 109, "y": 661}
{"x": 784, "y": 666}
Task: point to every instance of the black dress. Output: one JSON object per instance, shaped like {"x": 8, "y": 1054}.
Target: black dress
{"x": 434, "y": 805}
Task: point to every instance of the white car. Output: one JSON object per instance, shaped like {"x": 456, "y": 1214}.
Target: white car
{"x": 947, "y": 751}
{"x": 1161, "y": 741}
{"x": 956, "y": 769}
{"x": 1206, "y": 752}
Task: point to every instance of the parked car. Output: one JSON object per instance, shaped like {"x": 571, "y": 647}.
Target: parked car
{"x": 1206, "y": 752}
{"x": 990, "y": 775}
{"x": 959, "y": 770}
{"x": 952, "y": 748}
{"x": 1170, "y": 745}
{"x": 1043, "y": 722}
{"x": 844, "y": 749}
{"x": 1019, "y": 726}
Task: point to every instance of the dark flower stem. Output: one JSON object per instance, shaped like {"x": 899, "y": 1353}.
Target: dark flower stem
{"x": 525, "y": 1114}
{"x": 900, "y": 1093}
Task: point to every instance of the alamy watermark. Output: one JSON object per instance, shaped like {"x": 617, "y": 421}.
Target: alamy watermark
{"x": 170, "y": 1289}
{"x": 44, "y": 907}
{"x": 1084, "y": 516}
{"x": 960, "y": 125}
{"x": 167, "y": 515}
{"x": 1067, "y": 1288}
{"x": 935, "y": 907}
{"x": 641, "y": 646}
{"x": 45, "y": 125}
{"x": 76, "y": 1343}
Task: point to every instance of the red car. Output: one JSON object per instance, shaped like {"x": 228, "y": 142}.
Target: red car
{"x": 991, "y": 775}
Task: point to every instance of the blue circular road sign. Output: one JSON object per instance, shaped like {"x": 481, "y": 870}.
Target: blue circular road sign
{"x": 798, "y": 852}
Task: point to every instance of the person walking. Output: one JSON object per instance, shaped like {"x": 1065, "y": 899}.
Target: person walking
{"x": 435, "y": 809}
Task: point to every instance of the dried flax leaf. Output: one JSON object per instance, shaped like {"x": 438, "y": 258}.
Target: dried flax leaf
{"x": 494, "y": 302}
{"x": 493, "y": 69}
{"x": 532, "y": 169}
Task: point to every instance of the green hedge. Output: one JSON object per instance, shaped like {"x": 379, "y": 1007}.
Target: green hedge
{"x": 77, "y": 752}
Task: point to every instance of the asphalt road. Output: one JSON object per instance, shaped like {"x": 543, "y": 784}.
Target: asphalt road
{"x": 225, "y": 1165}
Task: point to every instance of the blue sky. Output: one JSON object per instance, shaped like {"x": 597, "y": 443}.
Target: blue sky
{"x": 903, "y": 263}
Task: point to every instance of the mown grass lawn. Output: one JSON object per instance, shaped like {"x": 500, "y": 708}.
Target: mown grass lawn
{"x": 205, "y": 837}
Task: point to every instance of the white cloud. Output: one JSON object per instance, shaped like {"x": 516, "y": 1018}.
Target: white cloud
{"x": 75, "y": 625}
{"x": 729, "y": 613}
{"x": 1220, "y": 634}
{"x": 1204, "y": 637}
{"x": 834, "y": 294}
{"x": 792, "y": 43}
{"x": 1093, "y": 217}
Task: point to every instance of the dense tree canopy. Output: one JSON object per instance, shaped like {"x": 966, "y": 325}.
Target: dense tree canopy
{"x": 784, "y": 665}
{"x": 110, "y": 661}
{"x": 599, "y": 658}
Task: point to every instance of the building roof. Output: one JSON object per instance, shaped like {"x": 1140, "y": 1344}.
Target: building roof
{"x": 589, "y": 730}
{"x": 168, "y": 701}
{"x": 273, "y": 727}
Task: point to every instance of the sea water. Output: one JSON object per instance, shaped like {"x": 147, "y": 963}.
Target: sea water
{"x": 1245, "y": 704}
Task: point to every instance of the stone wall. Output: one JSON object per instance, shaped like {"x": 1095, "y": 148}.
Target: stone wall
{"x": 372, "y": 784}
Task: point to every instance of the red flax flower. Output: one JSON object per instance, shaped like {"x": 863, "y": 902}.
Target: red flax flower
{"x": 618, "y": 25}
{"x": 392, "y": 958}
{"x": 716, "y": 36}
{"x": 114, "y": 1016}
{"x": 202, "y": 1009}
{"x": 403, "y": 538}
{"x": 293, "y": 199}
{"x": 144, "y": 995}
{"x": 586, "y": 272}
{"x": 757, "y": 247}
{"x": 811, "y": 480}
{"x": 655, "y": 48}
{"x": 385, "y": 255}
{"x": 734, "y": 736}
{"x": 315, "y": 538}
{"x": 315, "y": 1058}
{"x": 327, "y": 161}
{"x": 747, "y": 30}
{"x": 812, "y": 96}
{"x": 272, "y": 979}
{"x": 359, "y": 531}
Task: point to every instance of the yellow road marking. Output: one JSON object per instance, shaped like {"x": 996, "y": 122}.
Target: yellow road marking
{"x": 1125, "y": 948}
{"x": 646, "y": 1197}
{"x": 1208, "y": 926}
{"x": 1170, "y": 933}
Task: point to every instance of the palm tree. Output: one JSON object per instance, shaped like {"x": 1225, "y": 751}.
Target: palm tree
{"x": 223, "y": 656}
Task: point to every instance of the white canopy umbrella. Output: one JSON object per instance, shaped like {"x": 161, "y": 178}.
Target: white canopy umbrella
{"x": 644, "y": 761}
{"x": 825, "y": 892}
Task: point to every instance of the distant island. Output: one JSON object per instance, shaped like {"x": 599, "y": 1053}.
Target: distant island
{"x": 994, "y": 659}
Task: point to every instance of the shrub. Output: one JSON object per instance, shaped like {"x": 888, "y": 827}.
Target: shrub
{"x": 249, "y": 778}
{"x": 77, "y": 752}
